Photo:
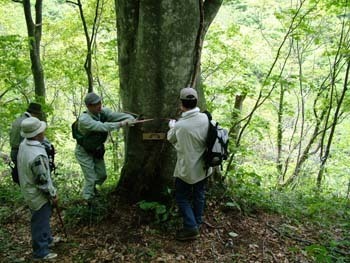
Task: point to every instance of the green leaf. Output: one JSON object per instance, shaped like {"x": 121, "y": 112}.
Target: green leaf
{"x": 233, "y": 234}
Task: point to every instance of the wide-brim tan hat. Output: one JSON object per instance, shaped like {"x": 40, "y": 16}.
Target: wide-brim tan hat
{"x": 31, "y": 127}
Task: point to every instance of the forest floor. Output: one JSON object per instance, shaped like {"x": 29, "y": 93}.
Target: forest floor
{"x": 123, "y": 236}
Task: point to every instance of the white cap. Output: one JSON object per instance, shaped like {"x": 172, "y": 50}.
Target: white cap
{"x": 188, "y": 94}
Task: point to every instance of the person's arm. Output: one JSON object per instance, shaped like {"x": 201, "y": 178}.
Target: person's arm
{"x": 41, "y": 171}
{"x": 117, "y": 116}
{"x": 87, "y": 123}
{"x": 171, "y": 135}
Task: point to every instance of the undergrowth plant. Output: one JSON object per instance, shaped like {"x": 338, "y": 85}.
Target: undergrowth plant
{"x": 326, "y": 214}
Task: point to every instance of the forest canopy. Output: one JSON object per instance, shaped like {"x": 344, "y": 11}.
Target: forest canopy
{"x": 274, "y": 73}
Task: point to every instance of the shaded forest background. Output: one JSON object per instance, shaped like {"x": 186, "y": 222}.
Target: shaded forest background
{"x": 275, "y": 73}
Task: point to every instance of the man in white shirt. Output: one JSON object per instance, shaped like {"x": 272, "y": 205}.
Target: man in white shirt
{"x": 188, "y": 135}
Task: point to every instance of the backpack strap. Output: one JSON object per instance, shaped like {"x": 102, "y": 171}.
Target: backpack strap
{"x": 206, "y": 167}
{"x": 92, "y": 140}
{"x": 208, "y": 115}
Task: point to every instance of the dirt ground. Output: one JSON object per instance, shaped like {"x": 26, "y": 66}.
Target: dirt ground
{"x": 227, "y": 236}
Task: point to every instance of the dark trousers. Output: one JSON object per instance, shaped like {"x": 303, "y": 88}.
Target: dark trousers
{"x": 41, "y": 231}
{"x": 190, "y": 199}
{"x": 14, "y": 167}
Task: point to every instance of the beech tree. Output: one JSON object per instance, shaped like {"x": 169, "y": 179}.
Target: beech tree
{"x": 159, "y": 44}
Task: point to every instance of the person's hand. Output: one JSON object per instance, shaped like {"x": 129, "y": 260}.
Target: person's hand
{"x": 172, "y": 123}
{"x": 127, "y": 123}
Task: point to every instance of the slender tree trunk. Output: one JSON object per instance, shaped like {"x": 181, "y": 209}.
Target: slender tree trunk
{"x": 235, "y": 129}
{"x": 34, "y": 34}
{"x": 261, "y": 97}
{"x": 236, "y": 115}
{"x": 90, "y": 40}
{"x": 319, "y": 119}
{"x": 337, "y": 66}
{"x": 157, "y": 49}
{"x": 334, "y": 124}
{"x": 279, "y": 164}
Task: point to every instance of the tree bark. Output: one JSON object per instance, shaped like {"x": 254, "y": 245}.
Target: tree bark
{"x": 280, "y": 114}
{"x": 326, "y": 153}
{"x": 90, "y": 40}
{"x": 156, "y": 48}
{"x": 34, "y": 34}
{"x": 88, "y": 59}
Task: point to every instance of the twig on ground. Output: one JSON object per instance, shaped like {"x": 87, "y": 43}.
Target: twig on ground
{"x": 218, "y": 234}
{"x": 272, "y": 254}
{"x": 212, "y": 226}
{"x": 307, "y": 242}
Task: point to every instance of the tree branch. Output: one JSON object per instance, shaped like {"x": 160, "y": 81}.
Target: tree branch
{"x": 71, "y": 2}
{"x": 198, "y": 46}
{"x": 211, "y": 8}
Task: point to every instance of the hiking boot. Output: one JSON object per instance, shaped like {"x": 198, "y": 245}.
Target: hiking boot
{"x": 54, "y": 241}
{"x": 187, "y": 234}
{"x": 47, "y": 257}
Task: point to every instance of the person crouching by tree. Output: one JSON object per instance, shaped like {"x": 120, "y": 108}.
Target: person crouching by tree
{"x": 36, "y": 185}
{"x": 188, "y": 135}
{"x": 92, "y": 131}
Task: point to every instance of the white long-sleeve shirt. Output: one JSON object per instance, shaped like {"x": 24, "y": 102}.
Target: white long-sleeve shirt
{"x": 188, "y": 137}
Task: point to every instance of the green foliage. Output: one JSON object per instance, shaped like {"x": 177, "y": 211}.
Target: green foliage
{"x": 78, "y": 211}
{"x": 319, "y": 253}
{"x": 327, "y": 214}
{"x": 157, "y": 210}
{"x": 10, "y": 193}
{"x": 248, "y": 194}
{"x": 87, "y": 214}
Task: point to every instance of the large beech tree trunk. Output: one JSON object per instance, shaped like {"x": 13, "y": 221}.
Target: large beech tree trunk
{"x": 157, "y": 52}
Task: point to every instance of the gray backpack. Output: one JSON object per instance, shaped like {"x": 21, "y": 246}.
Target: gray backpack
{"x": 217, "y": 144}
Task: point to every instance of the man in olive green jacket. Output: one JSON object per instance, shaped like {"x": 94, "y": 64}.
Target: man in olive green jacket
{"x": 94, "y": 125}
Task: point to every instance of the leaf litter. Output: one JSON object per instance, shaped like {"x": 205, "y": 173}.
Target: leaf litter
{"x": 227, "y": 236}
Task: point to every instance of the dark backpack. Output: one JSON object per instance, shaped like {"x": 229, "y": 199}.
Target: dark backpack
{"x": 50, "y": 151}
{"x": 92, "y": 140}
{"x": 216, "y": 144}
{"x": 76, "y": 134}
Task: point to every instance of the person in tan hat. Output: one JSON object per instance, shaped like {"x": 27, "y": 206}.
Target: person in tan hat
{"x": 93, "y": 128}
{"x": 33, "y": 110}
{"x": 188, "y": 136}
{"x": 36, "y": 185}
